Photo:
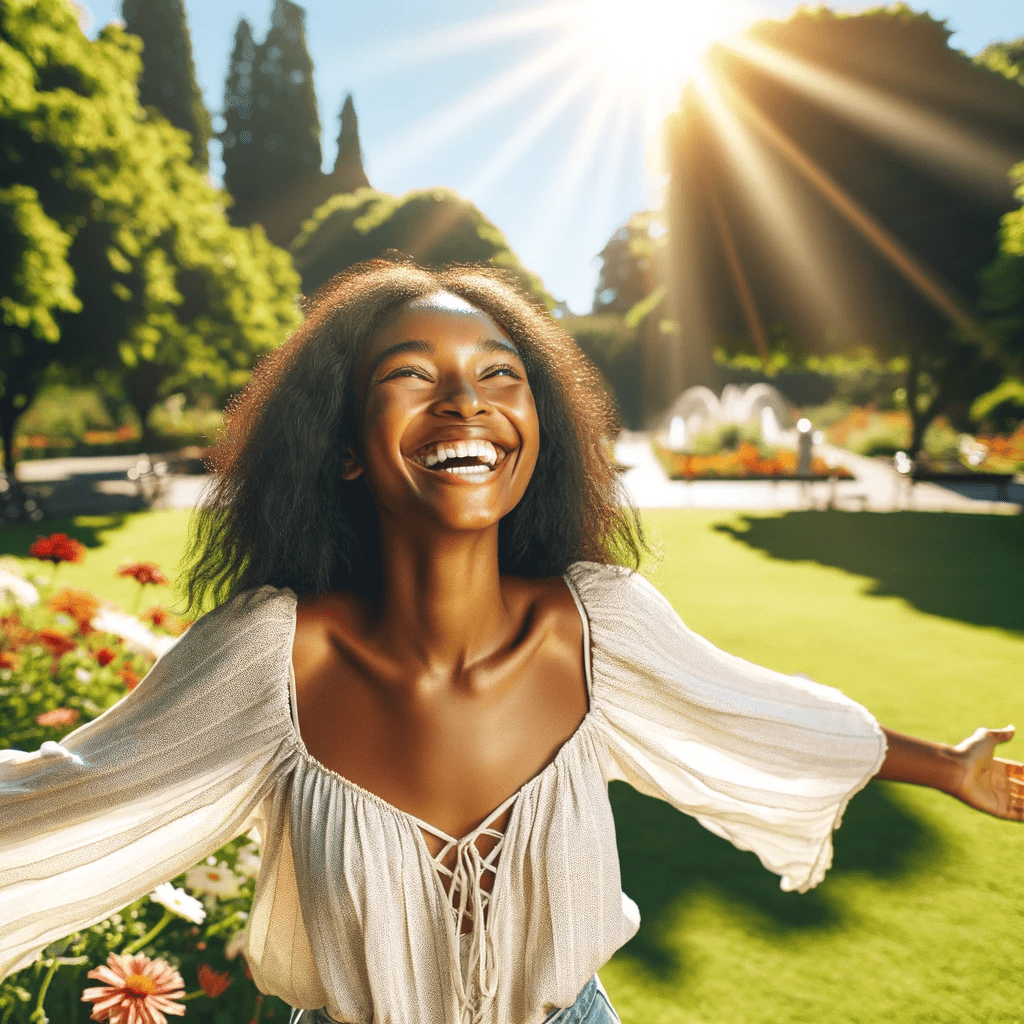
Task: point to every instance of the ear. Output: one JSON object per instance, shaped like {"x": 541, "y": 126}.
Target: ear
{"x": 350, "y": 467}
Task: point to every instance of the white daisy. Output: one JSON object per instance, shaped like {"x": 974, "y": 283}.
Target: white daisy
{"x": 216, "y": 880}
{"x": 17, "y": 589}
{"x": 237, "y": 943}
{"x": 137, "y": 636}
{"x": 249, "y": 861}
{"x": 178, "y": 902}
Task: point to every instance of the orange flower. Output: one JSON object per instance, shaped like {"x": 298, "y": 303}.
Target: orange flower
{"x": 105, "y": 655}
{"x": 143, "y": 572}
{"x": 212, "y": 982}
{"x": 58, "y": 547}
{"x": 80, "y": 604}
{"x": 9, "y": 659}
{"x": 58, "y": 717}
{"x": 56, "y": 642}
{"x": 137, "y": 991}
{"x": 129, "y": 678}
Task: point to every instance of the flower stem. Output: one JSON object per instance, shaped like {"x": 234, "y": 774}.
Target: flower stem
{"x": 190, "y": 995}
{"x": 134, "y": 947}
{"x": 39, "y": 1014}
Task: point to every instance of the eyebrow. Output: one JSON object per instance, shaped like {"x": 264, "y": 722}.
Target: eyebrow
{"x": 426, "y": 347}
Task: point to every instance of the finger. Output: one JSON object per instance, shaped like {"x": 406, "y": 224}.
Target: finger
{"x": 1003, "y": 735}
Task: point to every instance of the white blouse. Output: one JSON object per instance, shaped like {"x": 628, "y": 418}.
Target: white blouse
{"x": 351, "y": 912}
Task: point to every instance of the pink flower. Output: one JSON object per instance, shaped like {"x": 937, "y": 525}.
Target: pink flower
{"x": 137, "y": 991}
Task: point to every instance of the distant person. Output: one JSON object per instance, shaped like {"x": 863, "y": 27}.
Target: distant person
{"x": 433, "y": 655}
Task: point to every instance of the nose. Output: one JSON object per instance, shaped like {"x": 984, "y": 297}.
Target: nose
{"x": 461, "y": 399}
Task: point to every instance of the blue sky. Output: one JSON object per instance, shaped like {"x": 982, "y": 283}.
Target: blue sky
{"x": 421, "y": 73}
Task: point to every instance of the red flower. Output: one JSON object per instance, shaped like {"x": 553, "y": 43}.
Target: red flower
{"x": 212, "y": 982}
{"x": 137, "y": 991}
{"x": 55, "y": 641}
{"x": 58, "y": 717}
{"x": 129, "y": 678}
{"x": 58, "y": 547}
{"x": 143, "y": 572}
{"x": 105, "y": 655}
{"x": 9, "y": 659}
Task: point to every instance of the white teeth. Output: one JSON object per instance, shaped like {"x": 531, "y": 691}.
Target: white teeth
{"x": 485, "y": 451}
{"x": 473, "y": 471}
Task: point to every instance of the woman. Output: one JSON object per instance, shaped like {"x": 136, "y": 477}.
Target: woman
{"x": 429, "y": 663}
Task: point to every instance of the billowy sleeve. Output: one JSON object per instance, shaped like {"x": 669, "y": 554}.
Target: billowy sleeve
{"x": 156, "y": 783}
{"x": 765, "y": 760}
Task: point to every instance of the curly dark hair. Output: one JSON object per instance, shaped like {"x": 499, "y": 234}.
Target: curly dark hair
{"x": 279, "y": 512}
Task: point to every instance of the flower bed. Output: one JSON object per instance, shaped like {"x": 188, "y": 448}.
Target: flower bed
{"x": 65, "y": 657}
{"x": 746, "y": 462}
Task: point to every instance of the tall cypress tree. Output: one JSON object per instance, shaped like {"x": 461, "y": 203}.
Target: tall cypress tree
{"x": 168, "y": 80}
{"x": 240, "y": 164}
{"x": 286, "y": 123}
{"x": 348, "y": 173}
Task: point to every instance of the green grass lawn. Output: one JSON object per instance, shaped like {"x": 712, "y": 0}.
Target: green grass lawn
{"x": 921, "y": 617}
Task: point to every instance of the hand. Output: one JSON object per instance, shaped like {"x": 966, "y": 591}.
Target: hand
{"x": 990, "y": 783}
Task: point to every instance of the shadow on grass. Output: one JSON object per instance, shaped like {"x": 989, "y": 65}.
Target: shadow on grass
{"x": 965, "y": 567}
{"x": 668, "y": 860}
{"x": 15, "y": 540}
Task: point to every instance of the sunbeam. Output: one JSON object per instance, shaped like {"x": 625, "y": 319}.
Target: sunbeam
{"x": 868, "y": 226}
{"x": 432, "y": 132}
{"x": 961, "y": 156}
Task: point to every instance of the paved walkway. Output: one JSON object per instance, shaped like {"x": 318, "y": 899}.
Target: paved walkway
{"x": 877, "y": 487}
{"x": 101, "y": 485}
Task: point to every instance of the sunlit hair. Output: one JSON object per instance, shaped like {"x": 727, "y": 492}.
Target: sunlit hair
{"x": 279, "y": 512}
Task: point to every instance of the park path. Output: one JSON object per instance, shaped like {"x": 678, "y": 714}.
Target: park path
{"x": 100, "y": 484}
{"x": 877, "y": 487}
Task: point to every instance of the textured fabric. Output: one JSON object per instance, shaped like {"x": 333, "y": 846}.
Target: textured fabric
{"x": 350, "y": 913}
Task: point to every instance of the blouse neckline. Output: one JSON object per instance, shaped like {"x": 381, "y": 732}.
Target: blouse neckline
{"x": 512, "y": 800}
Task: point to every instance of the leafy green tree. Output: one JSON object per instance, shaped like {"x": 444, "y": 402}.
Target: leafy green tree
{"x": 168, "y": 79}
{"x": 1007, "y": 58}
{"x": 116, "y": 251}
{"x": 816, "y": 215}
{"x": 434, "y": 226}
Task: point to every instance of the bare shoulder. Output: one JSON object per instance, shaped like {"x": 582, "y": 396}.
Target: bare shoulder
{"x": 548, "y": 608}
{"x": 318, "y": 622}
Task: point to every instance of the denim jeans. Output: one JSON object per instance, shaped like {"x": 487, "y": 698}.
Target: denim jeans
{"x": 591, "y": 1007}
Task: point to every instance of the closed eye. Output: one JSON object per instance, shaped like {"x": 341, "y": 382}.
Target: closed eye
{"x": 406, "y": 371}
{"x": 503, "y": 370}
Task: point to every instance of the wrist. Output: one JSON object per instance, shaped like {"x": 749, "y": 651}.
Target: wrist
{"x": 924, "y": 763}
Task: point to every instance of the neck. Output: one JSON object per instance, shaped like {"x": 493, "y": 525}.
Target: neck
{"x": 441, "y": 601}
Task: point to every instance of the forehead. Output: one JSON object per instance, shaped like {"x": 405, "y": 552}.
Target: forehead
{"x": 437, "y": 320}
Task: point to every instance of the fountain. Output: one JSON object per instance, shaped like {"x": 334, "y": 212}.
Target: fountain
{"x": 699, "y": 410}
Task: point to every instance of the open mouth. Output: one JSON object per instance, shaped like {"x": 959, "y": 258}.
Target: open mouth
{"x": 473, "y": 459}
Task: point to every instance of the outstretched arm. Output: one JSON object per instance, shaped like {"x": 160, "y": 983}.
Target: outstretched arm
{"x": 969, "y": 771}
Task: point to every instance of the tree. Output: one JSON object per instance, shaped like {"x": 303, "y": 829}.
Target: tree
{"x": 842, "y": 179}
{"x": 434, "y": 226}
{"x": 241, "y": 169}
{"x": 348, "y": 173}
{"x": 285, "y": 120}
{"x": 116, "y": 250}
{"x": 271, "y": 136}
{"x": 168, "y": 79}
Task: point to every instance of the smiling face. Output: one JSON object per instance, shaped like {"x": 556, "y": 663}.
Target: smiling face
{"x": 449, "y": 428}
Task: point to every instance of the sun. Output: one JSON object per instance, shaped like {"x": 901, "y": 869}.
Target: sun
{"x": 652, "y": 47}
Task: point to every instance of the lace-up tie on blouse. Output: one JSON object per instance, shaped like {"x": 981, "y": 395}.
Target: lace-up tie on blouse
{"x": 351, "y": 912}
